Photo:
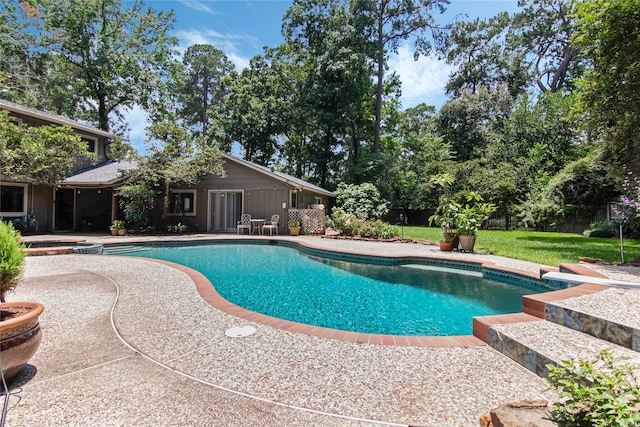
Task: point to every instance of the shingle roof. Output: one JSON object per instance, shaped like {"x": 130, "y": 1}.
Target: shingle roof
{"x": 280, "y": 176}
{"x": 52, "y": 118}
{"x": 104, "y": 174}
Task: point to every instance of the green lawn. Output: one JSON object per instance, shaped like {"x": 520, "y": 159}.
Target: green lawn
{"x": 544, "y": 248}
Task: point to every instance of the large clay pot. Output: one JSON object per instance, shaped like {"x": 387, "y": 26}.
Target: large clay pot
{"x": 294, "y": 231}
{"x": 446, "y": 246}
{"x": 20, "y": 335}
{"x": 467, "y": 242}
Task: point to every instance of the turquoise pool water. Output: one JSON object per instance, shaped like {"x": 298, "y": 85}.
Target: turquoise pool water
{"x": 395, "y": 300}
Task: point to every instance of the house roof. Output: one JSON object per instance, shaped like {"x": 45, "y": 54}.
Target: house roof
{"x": 280, "y": 176}
{"x": 110, "y": 173}
{"x": 100, "y": 175}
{"x": 52, "y": 118}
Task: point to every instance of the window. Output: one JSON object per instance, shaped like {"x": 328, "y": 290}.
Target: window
{"x": 294, "y": 200}
{"x": 13, "y": 199}
{"x": 183, "y": 202}
{"x": 91, "y": 143}
{"x": 317, "y": 201}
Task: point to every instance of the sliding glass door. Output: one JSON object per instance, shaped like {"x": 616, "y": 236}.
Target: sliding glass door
{"x": 225, "y": 208}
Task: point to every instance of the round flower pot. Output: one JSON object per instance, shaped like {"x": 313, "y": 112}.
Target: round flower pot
{"x": 114, "y": 231}
{"x": 294, "y": 231}
{"x": 467, "y": 242}
{"x": 20, "y": 335}
{"x": 446, "y": 246}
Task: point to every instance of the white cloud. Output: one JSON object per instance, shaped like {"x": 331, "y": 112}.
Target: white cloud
{"x": 200, "y": 7}
{"x": 138, "y": 120}
{"x": 423, "y": 80}
{"x": 228, "y": 43}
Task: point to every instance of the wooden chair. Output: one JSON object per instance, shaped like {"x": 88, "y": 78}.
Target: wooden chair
{"x": 272, "y": 225}
{"x": 244, "y": 223}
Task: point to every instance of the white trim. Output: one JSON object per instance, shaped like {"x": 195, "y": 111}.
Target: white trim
{"x": 194, "y": 201}
{"x": 24, "y": 201}
{"x": 95, "y": 140}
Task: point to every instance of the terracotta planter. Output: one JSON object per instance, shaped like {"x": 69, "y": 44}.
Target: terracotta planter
{"x": 446, "y": 246}
{"x": 20, "y": 336}
{"x": 467, "y": 242}
{"x": 294, "y": 231}
{"x": 114, "y": 231}
{"x": 455, "y": 239}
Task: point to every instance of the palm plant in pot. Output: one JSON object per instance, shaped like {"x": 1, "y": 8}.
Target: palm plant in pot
{"x": 470, "y": 217}
{"x": 20, "y": 332}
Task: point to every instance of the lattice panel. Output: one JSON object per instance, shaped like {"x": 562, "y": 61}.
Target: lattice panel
{"x": 312, "y": 221}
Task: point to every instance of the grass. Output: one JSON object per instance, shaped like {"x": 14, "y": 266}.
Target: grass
{"x": 544, "y": 248}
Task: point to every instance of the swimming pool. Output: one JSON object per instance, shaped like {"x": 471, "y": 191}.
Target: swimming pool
{"x": 409, "y": 299}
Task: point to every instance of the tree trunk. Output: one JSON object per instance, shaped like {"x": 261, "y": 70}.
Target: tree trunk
{"x": 380, "y": 78}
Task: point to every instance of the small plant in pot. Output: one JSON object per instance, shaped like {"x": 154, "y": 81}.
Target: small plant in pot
{"x": 294, "y": 227}
{"x": 20, "y": 332}
{"x": 470, "y": 217}
{"x": 445, "y": 218}
{"x": 116, "y": 225}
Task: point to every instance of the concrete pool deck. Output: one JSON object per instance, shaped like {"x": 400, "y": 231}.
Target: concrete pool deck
{"x": 130, "y": 342}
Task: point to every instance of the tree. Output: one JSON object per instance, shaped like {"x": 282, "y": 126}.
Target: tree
{"x": 477, "y": 48}
{"x": 394, "y": 22}
{"x": 46, "y": 154}
{"x": 609, "y": 35}
{"x": 327, "y": 42}
{"x": 113, "y": 57}
{"x": 530, "y": 49}
{"x": 203, "y": 86}
{"x": 175, "y": 158}
{"x": 472, "y": 120}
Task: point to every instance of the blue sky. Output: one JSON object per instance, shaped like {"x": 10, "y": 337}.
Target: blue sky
{"x": 241, "y": 28}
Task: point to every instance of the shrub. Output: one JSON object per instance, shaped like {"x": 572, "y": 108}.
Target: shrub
{"x": 600, "y": 229}
{"x": 178, "y": 228}
{"x": 351, "y": 225}
{"x": 596, "y": 393}
{"x": 362, "y": 200}
{"x": 12, "y": 254}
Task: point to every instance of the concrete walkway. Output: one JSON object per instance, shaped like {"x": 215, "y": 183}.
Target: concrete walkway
{"x": 130, "y": 342}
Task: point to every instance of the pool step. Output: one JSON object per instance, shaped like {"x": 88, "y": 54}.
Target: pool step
{"x": 121, "y": 249}
{"x": 535, "y": 344}
{"x": 576, "y": 322}
{"x": 593, "y": 315}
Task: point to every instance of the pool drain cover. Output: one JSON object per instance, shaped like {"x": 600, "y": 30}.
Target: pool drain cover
{"x": 240, "y": 331}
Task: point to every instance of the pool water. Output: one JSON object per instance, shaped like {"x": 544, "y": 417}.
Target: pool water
{"x": 395, "y": 300}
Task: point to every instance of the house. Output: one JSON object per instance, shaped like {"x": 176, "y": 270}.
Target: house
{"x": 69, "y": 206}
{"x": 86, "y": 200}
{"x": 216, "y": 203}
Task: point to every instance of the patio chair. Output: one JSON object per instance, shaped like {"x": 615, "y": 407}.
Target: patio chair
{"x": 272, "y": 225}
{"x": 244, "y": 223}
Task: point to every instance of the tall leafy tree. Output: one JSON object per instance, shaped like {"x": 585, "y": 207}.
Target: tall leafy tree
{"x": 478, "y": 50}
{"x": 530, "y": 49}
{"x": 609, "y": 34}
{"x": 394, "y": 22}
{"x": 113, "y": 55}
{"x": 203, "y": 85}
{"x": 326, "y": 41}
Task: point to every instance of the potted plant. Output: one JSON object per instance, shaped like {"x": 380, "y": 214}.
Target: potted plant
{"x": 294, "y": 227}
{"x": 446, "y": 244}
{"x": 20, "y": 332}
{"x": 470, "y": 217}
{"x": 445, "y": 218}
{"x": 119, "y": 226}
